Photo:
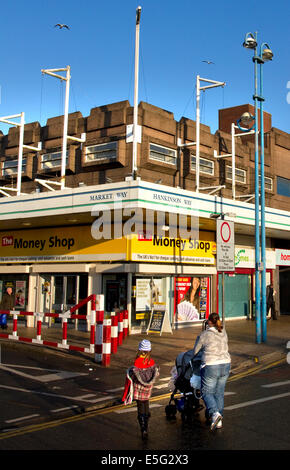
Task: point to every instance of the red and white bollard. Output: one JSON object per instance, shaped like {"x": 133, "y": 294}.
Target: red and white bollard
{"x": 125, "y": 324}
{"x": 114, "y": 333}
{"x": 38, "y": 327}
{"x": 106, "y": 342}
{"x": 64, "y": 331}
{"x": 93, "y": 324}
{"x": 120, "y": 328}
{"x": 14, "y": 333}
{"x": 99, "y": 327}
{"x": 99, "y": 336}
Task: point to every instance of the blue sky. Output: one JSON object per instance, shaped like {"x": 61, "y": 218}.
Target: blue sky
{"x": 175, "y": 37}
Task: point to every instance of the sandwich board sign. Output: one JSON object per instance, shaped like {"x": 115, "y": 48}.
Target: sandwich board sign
{"x": 225, "y": 235}
{"x": 159, "y": 319}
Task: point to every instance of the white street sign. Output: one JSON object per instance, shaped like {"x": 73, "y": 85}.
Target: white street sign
{"x": 225, "y": 234}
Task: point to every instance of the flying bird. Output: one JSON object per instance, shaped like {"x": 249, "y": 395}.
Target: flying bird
{"x": 61, "y": 26}
{"x": 208, "y": 61}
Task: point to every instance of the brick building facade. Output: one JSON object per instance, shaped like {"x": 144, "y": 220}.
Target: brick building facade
{"x": 104, "y": 160}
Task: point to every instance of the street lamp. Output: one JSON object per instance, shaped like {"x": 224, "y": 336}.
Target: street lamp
{"x": 266, "y": 54}
{"x": 246, "y": 119}
{"x": 250, "y": 41}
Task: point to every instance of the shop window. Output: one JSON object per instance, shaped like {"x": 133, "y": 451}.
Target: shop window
{"x": 19, "y": 285}
{"x": 162, "y": 154}
{"x": 10, "y": 167}
{"x": 241, "y": 175}
{"x": 101, "y": 152}
{"x": 52, "y": 160}
{"x": 192, "y": 299}
{"x": 283, "y": 186}
{"x": 147, "y": 291}
{"x": 205, "y": 166}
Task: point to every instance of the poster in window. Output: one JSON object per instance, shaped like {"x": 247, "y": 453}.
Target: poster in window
{"x": 20, "y": 294}
{"x": 148, "y": 291}
{"x": 191, "y": 299}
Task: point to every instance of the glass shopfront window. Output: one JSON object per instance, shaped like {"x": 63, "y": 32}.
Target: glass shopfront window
{"x": 187, "y": 299}
{"x": 146, "y": 292}
{"x": 191, "y": 299}
{"x": 59, "y": 292}
{"x": 19, "y": 285}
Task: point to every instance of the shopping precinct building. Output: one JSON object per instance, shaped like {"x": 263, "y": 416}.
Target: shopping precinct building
{"x": 143, "y": 240}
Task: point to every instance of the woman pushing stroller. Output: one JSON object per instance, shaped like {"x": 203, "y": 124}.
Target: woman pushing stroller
{"x": 215, "y": 368}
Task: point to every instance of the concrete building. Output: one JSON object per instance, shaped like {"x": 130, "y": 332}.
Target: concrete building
{"x": 51, "y": 250}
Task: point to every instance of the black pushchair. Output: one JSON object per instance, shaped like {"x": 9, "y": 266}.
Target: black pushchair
{"x": 184, "y": 397}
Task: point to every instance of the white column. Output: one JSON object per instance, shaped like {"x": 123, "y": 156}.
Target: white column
{"x": 233, "y": 162}
{"x": 135, "y": 118}
{"x": 20, "y": 154}
{"x": 197, "y": 124}
{"x": 65, "y": 126}
{"x": 32, "y": 297}
{"x": 129, "y": 300}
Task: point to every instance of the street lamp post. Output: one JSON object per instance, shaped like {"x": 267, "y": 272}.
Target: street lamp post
{"x": 250, "y": 42}
{"x": 265, "y": 55}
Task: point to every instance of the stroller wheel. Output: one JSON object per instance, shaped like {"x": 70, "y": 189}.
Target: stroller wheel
{"x": 170, "y": 411}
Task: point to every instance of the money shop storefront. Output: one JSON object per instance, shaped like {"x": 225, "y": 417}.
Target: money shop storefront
{"x": 51, "y": 269}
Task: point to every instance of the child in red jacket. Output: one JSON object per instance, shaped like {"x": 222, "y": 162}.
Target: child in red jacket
{"x": 139, "y": 384}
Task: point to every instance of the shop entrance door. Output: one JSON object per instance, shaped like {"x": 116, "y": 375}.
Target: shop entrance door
{"x": 66, "y": 292}
{"x": 60, "y": 292}
{"x": 284, "y": 279}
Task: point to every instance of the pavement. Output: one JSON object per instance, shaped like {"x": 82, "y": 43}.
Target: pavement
{"x": 246, "y": 354}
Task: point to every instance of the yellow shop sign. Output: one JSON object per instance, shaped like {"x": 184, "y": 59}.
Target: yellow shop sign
{"x": 168, "y": 250}
{"x": 59, "y": 244}
{"x": 76, "y": 244}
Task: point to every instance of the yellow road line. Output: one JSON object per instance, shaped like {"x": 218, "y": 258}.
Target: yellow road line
{"x": 255, "y": 370}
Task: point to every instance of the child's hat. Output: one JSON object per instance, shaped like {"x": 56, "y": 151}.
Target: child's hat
{"x": 145, "y": 345}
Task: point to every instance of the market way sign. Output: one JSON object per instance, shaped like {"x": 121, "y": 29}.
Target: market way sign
{"x": 225, "y": 234}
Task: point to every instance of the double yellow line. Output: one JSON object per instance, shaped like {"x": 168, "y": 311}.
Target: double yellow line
{"x": 254, "y": 370}
{"x": 103, "y": 411}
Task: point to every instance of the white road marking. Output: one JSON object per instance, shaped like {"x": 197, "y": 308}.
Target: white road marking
{"x": 254, "y": 402}
{"x": 276, "y": 384}
{"x": 64, "y": 409}
{"x": 15, "y": 420}
{"x": 60, "y": 375}
{"x": 53, "y": 376}
{"x": 81, "y": 397}
{"x": 89, "y": 395}
{"x": 115, "y": 389}
{"x": 161, "y": 386}
{"x": 108, "y": 397}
